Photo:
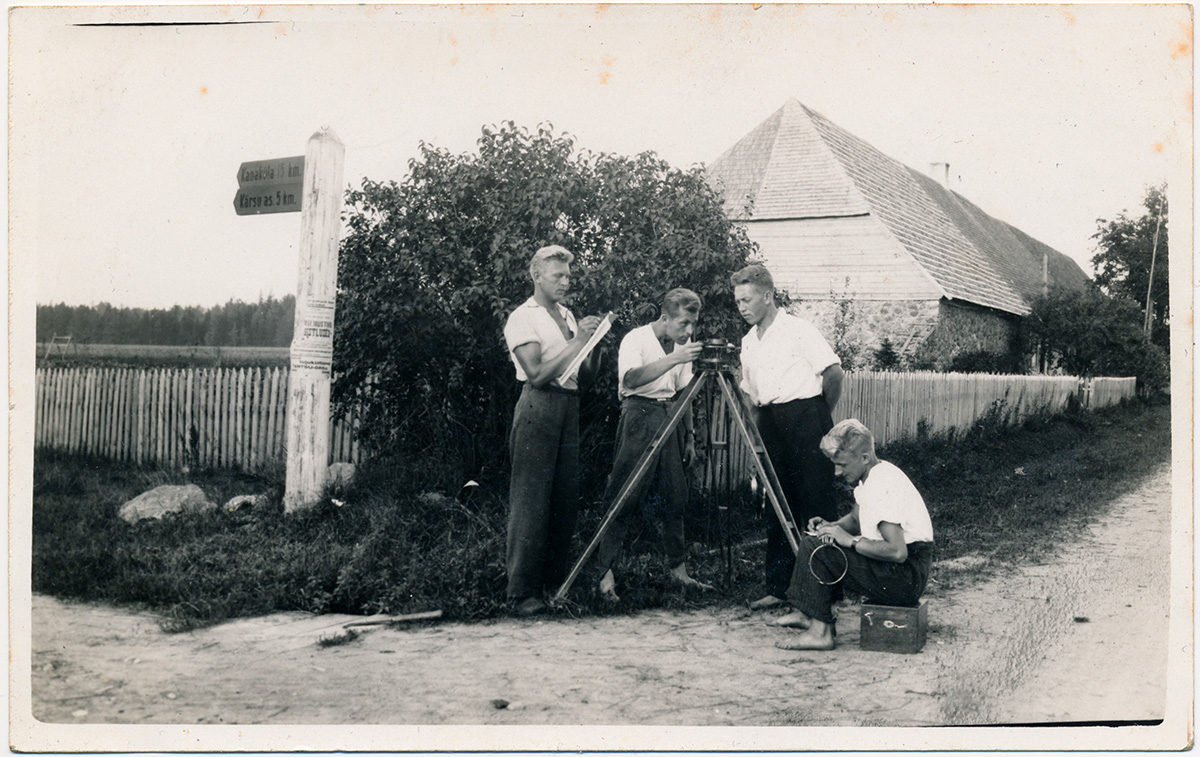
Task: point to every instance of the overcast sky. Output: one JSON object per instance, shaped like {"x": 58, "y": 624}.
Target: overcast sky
{"x": 126, "y": 140}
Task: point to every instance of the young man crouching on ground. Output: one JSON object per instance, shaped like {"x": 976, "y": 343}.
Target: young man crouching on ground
{"x": 887, "y": 539}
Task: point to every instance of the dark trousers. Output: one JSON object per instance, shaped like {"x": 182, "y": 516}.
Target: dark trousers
{"x": 880, "y": 582}
{"x": 640, "y": 419}
{"x": 543, "y": 497}
{"x": 791, "y": 433}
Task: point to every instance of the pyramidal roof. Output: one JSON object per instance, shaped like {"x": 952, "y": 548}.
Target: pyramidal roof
{"x": 797, "y": 164}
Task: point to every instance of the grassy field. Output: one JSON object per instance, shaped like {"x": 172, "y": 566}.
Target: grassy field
{"x": 390, "y": 543}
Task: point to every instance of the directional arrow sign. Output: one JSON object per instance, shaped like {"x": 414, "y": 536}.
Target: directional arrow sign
{"x": 280, "y": 197}
{"x": 254, "y": 172}
{"x": 270, "y": 186}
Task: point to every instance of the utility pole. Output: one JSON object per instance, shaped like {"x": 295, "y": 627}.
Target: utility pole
{"x": 1149, "y": 321}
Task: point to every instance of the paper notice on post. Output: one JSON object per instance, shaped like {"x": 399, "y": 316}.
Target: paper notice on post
{"x": 572, "y": 367}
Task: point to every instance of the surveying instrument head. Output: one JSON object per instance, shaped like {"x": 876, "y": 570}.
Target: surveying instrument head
{"x": 716, "y": 354}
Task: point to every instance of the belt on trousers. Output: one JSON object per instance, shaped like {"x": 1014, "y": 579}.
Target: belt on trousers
{"x": 552, "y": 388}
{"x": 801, "y": 399}
{"x": 639, "y": 398}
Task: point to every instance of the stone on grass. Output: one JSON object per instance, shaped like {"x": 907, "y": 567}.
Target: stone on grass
{"x": 245, "y": 500}
{"x": 161, "y": 500}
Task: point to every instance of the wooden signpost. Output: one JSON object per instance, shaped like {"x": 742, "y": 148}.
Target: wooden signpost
{"x": 272, "y": 186}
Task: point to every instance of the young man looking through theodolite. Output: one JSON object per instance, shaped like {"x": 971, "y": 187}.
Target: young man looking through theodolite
{"x": 654, "y": 364}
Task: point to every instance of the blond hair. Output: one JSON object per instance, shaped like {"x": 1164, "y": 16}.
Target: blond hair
{"x": 549, "y": 252}
{"x": 851, "y": 436}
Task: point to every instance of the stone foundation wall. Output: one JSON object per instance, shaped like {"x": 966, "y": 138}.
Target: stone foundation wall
{"x": 926, "y": 333}
{"x": 856, "y": 328}
{"x": 964, "y": 329}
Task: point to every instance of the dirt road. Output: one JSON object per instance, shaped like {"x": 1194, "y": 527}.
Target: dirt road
{"x": 1023, "y": 647}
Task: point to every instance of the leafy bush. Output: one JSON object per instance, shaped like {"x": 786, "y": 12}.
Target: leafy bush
{"x": 1086, "y": 333}
{"x": 431, "y": 267}
{"x": 983, "y": 361}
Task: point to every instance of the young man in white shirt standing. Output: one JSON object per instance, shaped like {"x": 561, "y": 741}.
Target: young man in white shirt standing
{"x": 887, "y": 541}
{"x": 543, "y": 338}
{"x": 653, "y": 365}
{"x": 792, "y": 380}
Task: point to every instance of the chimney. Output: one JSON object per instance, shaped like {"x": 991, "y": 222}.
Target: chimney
{"x": 941, "y": 172}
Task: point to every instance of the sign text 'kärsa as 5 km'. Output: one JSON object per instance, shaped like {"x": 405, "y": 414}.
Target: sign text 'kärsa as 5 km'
{"x": 270, "y": 186}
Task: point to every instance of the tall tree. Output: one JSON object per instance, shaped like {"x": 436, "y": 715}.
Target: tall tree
{"x": 1127, "y": 253}
{"x": 431, "y": 267}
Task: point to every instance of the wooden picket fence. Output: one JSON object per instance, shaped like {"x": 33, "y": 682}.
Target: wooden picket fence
{"x": 1105, "y": 391}
{"x": 218, "y": 417}
{"x": 235, "y": 418}
{"x": 893, "y": 405}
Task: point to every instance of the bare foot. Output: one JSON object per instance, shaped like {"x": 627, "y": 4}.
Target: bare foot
{"x": 815, "y": 638}
{"x": 766, "y": 603}
{"x": 608, "y": 587}
{"x": 795, "y": 619}
{"x": 680, "y": 576}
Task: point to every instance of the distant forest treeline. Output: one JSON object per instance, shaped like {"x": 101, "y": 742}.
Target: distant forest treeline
{"x": 266, "y": 323}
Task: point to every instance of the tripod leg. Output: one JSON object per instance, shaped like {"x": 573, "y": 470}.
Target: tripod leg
{"x": 640, "y": 470}
{"x": 762, "y": 462}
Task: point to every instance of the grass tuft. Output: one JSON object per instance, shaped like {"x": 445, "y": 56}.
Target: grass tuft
{"x": 338, "y": 639}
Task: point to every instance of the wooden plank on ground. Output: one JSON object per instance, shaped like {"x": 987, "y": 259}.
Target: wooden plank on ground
{"x": 379, "y": 620}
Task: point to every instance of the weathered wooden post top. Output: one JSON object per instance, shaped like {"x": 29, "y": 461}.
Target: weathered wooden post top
{"x": 311, "y": 184}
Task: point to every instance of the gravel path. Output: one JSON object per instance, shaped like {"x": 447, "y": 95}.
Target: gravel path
{"x": 1037, "y": 643}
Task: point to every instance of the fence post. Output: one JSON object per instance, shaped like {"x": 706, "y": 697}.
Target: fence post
{"x": 312, "y": 342}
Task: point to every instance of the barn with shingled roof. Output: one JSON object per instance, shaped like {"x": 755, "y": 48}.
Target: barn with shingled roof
{"x": 870, "y": 249}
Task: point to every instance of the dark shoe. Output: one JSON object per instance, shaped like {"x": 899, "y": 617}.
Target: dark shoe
{"x": 530, "y": 606}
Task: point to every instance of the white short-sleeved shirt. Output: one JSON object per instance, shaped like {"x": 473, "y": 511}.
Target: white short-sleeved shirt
{"x": 786, "y": 363}
{"x": 531, "y": 322}
{"x": 641, "y": 347}
{"x": 888, "y": 495}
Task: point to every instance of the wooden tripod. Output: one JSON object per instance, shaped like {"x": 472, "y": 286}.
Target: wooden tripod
{"x": 750, "y": 435}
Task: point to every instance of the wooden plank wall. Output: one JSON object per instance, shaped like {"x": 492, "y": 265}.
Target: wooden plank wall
{"x": 848, "y": 257}
{"x": 218, "y": 417}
